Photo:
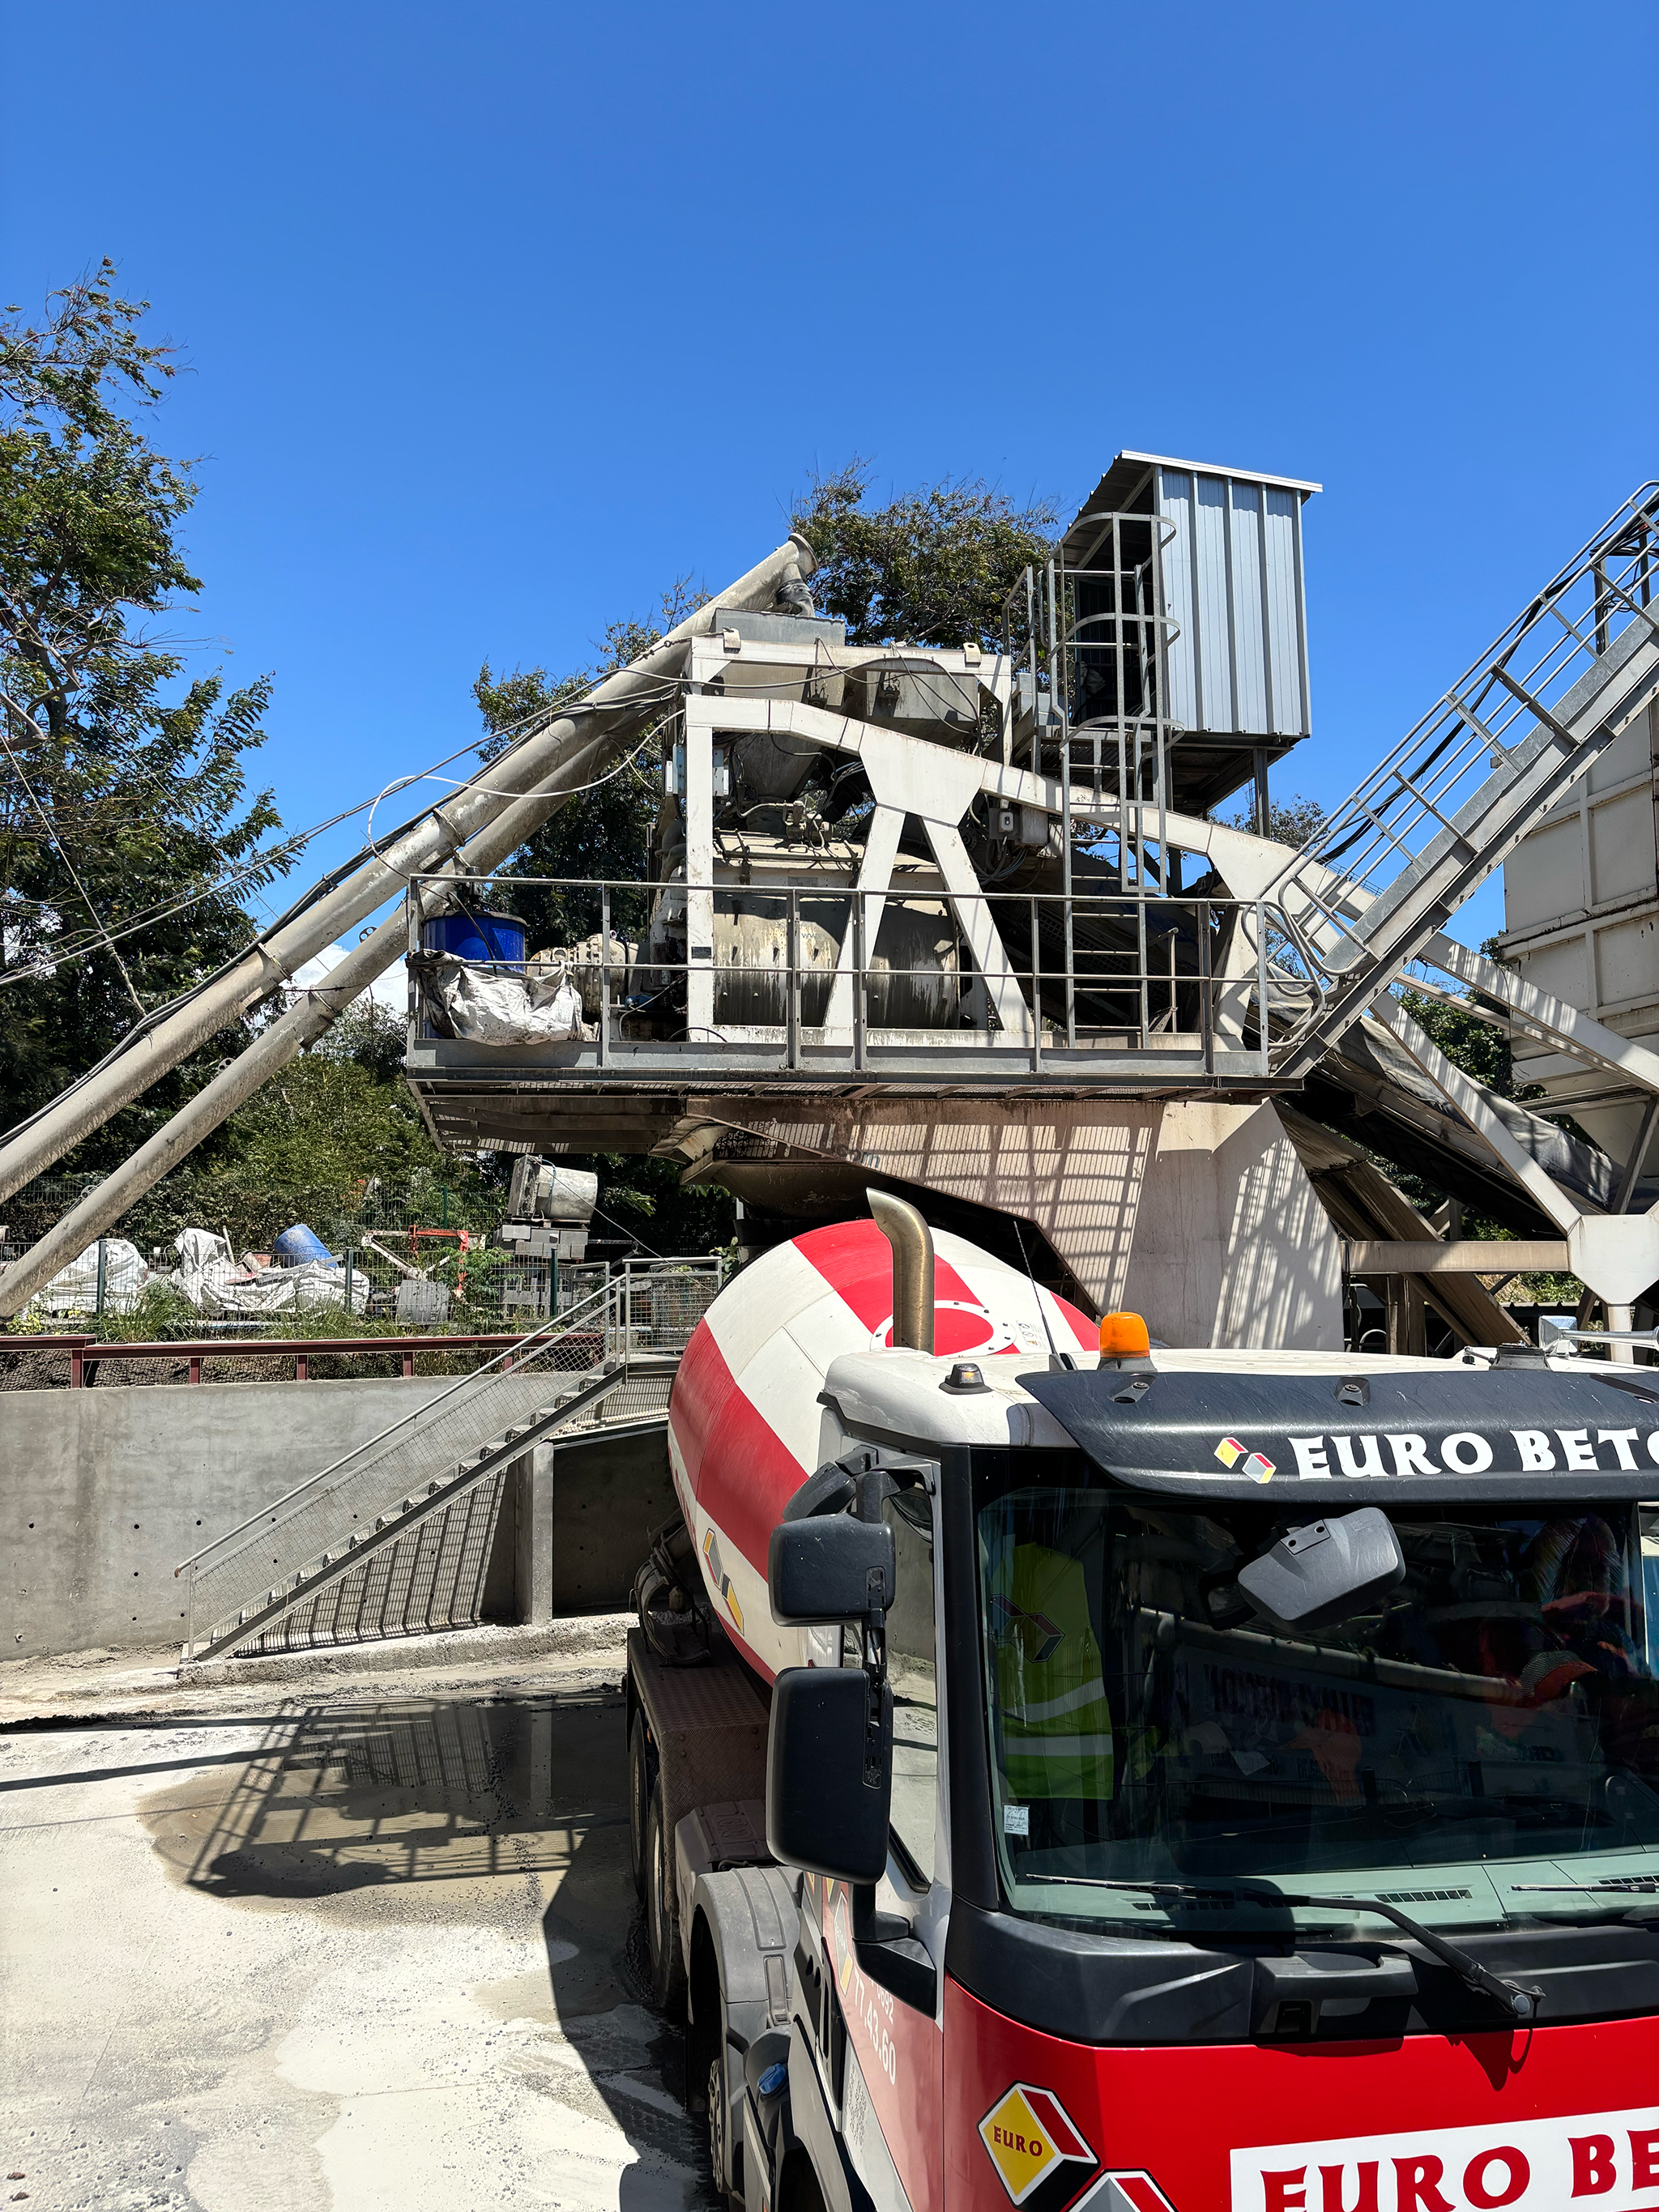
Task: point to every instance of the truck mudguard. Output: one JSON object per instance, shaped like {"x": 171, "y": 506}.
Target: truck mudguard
{"x": 740, "y": 1924}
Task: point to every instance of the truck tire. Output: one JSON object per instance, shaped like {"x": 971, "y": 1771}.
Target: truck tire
{"x": 720, "y": 2126}
{"x": 642, "y": 1780}
{"x": 662, "y": 1927}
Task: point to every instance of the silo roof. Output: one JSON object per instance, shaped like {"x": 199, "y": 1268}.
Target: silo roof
{"x": 1125, "y": 482}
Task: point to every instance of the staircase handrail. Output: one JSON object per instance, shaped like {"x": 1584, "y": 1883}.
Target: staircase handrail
{"x": 1381, "y": 874}
{"x": 539, "y": 1341}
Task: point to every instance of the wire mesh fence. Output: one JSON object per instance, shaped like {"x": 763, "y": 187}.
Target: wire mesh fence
{"x": 426, "y": 1260}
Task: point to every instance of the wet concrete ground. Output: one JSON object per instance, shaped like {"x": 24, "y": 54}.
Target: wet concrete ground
{"x": 362, "y": 1952}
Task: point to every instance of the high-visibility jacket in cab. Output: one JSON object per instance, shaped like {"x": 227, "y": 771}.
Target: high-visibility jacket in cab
{"x": 1056, "y": 1723}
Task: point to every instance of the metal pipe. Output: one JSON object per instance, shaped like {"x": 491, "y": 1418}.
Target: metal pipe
{"x": 913, "y": 1268}
{"x": 288, "y": 1036}
{"x": 428, "y": 844}
{"x": 271, "y": 1050}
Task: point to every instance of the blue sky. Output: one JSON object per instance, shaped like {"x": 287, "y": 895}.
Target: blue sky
{"x": 500, "y": 319}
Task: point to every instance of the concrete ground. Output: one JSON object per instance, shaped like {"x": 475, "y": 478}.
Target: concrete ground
{"x": 329, "y": 1938}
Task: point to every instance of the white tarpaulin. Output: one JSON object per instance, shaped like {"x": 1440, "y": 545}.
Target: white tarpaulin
{"x": 486, "y": 1006}
{"x": 209, "y": 1277}
{"x": 76, "y": 1290}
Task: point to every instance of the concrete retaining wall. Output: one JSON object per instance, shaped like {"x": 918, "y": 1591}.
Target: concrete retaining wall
{"x": 102, "y": 1492}
{"x": 1195, "y": 1213}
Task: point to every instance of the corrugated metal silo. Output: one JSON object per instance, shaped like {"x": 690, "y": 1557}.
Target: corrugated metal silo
{"x": 1238, "y": 653}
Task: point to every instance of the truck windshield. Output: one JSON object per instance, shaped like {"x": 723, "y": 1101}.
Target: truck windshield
{"x": 1478, "y": 1748}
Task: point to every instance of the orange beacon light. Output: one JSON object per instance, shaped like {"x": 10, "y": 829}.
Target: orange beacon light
{"x": 1123, "y": 1336}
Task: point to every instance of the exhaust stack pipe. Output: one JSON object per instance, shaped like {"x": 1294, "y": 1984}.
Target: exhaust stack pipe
{"x": 913, "y": 1269}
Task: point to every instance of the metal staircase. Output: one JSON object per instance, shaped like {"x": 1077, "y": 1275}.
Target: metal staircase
{"x": 394, "y": 1537}
{"x": 1389, "y": 867}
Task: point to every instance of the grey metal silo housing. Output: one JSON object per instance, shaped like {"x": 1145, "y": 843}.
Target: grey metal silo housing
{"x": 1236, "y": 652}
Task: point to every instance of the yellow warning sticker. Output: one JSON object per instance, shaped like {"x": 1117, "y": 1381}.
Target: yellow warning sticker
{"x": 721, "y": 1580}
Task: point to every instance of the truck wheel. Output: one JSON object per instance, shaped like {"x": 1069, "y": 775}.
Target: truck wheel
{"x": 662, "y": 1932}
{"x": 719, "y": 2157}
{"x": 641, "y": 1779}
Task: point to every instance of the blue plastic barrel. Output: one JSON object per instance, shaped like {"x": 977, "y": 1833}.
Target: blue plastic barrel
{"x": 497, "y": 939}
{"x": 298, "y": 1244}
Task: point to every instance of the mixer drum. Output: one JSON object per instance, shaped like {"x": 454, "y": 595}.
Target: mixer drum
{"x": 917, "y": 981}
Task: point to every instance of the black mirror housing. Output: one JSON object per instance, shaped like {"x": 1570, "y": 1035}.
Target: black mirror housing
{"x": 830, "y": 1568}
{"x": 1326, "y": 1570}
{"x": 828, "y": 1773}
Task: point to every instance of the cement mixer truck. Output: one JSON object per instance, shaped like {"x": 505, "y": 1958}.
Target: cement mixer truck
{"x": 1068, "y": 1771}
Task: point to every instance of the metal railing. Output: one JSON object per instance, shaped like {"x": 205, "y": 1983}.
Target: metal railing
{"x": 283, "y": 1555}
{"x": 229, "y": 1359}
{"x": 795, "y": 978}
{"x": 1427, "y": 826}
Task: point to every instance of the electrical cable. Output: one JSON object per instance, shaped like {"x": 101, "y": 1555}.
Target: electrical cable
{"x": 64, "y": 954}
{"x": 574, "y": 791}
{"x": 86, "y": 899}
{"x": 290, "y": 847}
{"x": 672, "y": 686}
{"x": 632, "y": 1235}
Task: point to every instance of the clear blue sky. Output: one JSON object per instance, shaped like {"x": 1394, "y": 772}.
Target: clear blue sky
{"x": 503, "y": 317}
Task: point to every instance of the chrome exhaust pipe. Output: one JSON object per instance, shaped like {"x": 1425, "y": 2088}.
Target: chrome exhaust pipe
{"x": 913, "y": 1268}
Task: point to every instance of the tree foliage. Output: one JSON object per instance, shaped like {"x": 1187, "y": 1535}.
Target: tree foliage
{"x": 604, "y": 832}
{"x": 1291, "y": 821}
{"x": 933, "y": 566}
{"x": 123, "y": 784}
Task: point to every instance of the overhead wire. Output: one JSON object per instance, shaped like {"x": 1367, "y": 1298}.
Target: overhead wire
{"x": 69, "y": 952}
{"x": 63, "y": 954}
{"x": 51, "y": 834}
{"x": 672, "y": 686}
{"x": 573, "y": 791}
{"x": 330, "y": 880}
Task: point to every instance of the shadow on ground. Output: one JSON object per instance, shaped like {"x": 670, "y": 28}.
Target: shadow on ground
{"x": 513, "y": 1808}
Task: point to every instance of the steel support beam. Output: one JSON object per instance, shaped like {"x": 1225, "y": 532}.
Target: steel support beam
{"x": 1467, "y": 1256}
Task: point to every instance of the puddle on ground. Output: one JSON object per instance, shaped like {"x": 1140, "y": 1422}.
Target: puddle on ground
{"x": 505, "y": 1814}
{"x": 409, "y": 1809}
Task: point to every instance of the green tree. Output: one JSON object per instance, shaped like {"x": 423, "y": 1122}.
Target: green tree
{"x": 933, "y": 566}
{"x": 337, "y": 1116}
{"x": 127, "y": 836}
{"x": 1290, "y": 820}
{"x": 606, "y": 831}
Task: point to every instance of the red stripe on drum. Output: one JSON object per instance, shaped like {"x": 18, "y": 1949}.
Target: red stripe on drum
{"x": 856, "y": 1261}
{"x": 748, "y": 1474}
{"x": 701, "y": 1386}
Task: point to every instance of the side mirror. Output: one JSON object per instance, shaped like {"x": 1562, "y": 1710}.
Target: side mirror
{"x": 1325, "y": 1571}
{"x": 829, "y": 1769}
{"x": 830, "y": 1568}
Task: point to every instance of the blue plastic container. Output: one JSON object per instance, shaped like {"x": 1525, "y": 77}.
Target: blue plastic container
{"x": 298, "y": 1244}
{"x": 496, "y": 939}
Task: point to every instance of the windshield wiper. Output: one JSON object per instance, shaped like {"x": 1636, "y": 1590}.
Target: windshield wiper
{"x": 1628, "y": 1885}
{"x": 1516, "y": 1999}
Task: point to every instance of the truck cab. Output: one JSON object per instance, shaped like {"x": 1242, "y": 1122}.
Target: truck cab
{"x": 1211, "y": 1780}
